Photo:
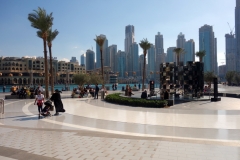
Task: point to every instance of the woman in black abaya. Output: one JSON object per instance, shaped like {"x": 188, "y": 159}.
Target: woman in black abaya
{"x": 56, "y": 98}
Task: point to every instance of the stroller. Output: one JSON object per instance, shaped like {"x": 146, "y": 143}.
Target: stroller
{"x": 46, "y": 110}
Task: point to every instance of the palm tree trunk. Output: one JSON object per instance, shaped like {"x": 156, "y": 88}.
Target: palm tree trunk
{"x": 51, "y": 69}
{"x": 200, "y": 59}
{"x": 102, "y": 67}
{"x": 144, "y": 68}
{"x": 178, "y": 60}
{"x": 46, "y": 68}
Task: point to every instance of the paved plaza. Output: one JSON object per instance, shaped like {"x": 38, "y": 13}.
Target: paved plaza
{"x": 92, "y": 129}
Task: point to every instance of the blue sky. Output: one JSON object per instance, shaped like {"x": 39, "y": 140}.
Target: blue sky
{"x": 78, "y": 21}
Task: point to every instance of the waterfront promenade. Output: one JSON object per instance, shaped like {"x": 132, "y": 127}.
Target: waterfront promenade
{"x": 92, "y": 129}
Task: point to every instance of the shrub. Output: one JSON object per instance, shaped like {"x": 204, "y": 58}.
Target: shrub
{"x": 150, "y": 103}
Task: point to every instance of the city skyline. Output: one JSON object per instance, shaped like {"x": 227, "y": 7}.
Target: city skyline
{"x": 77, "y": 32}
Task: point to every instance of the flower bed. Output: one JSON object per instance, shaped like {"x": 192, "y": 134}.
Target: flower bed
{"x": 136, "y": 102}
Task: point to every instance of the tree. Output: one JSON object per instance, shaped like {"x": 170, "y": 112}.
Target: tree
{"x": 50, "y": 38}
{"x": 230, "y": 77}
{"x": 95, "y": 79}
{"x": 42, "y": 22}
{"x": 80, "y": 79}
{"x": 145, "y": 45}
{"x": 208, "y": 77}
{"x": 100, "y": 41}
{"x": 179, "y": 51}
{"x": 201, "y": 54}
{"x": 237, "y": 78}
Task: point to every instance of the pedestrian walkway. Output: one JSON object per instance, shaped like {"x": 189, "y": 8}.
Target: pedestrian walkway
{"x": 94, "y": 129}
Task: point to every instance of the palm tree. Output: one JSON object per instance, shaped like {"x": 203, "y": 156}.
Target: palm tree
{"x": 42, "y": 21}
{"x": 145, "y": 45}
{"x": 100, "y": 41}
{"x": 178, "y": 52}
{"x": 230, "y": 76}
{"x": 208, "y": 77}
{"x": 50, "y": 38}
{"x": 201, "y": 54}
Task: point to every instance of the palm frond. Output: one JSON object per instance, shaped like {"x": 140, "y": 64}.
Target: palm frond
{"x": 201, "y": 53}
{"x": 52, "y": 35}
{"x": 100, "y": 40}
{"x": 145, "y": 45}
{"x": 179, "y": 51}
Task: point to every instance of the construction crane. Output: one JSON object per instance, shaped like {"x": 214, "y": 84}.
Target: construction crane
{"x": 231, "y": 30}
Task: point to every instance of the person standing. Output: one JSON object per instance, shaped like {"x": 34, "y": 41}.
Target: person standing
{"x": 96, "y": 91}
{"x": 56, "y": 98}
{"x": 39, "y": 98}
{"x": 139, "y": 86}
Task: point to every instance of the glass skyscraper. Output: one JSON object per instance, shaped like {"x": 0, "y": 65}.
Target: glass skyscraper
{"x": 208, "y": 43}
{"x": 160, "y": 56}
{"x": 171, "y": 57}
{"x": 132, "y": 60}
{"x": 90, "y": 60}
{"x": 189, "y": 51}
{"x": 121, "y": 63}
{"x": 151, "y": 62}
{"x": 230, "y": 43}
{"x": 237, "y": 33}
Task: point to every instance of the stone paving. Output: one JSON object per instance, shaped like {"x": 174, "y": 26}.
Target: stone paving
{"x": 95, "y": 130}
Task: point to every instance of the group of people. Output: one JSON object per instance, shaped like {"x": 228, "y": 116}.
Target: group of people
{"x": 87, "y": 91}
{"x": 56, "y": 98}
{"x": 114, "y": 86}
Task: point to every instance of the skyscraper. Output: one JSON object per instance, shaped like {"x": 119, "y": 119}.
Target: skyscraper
{"x": 132, "y": 60}
{"x": 190, "y": 51}
{"x": 83, "y": 59}
{"x": 121, "y": 63}
{"x": 160, "y": 56}
{"x": 104, "y": 53}
{"x": 181, "y": 44}
{"x": 129, "y": 39}
{"x": 237, "y": 33}
{"x": 90, "y": 60}
{"x": 151, "y": 62}
{"x": 230, "y": 43}
{"x": 208, "y": 43}
{"x": 112, "y": 52}
{"x": 170, "y": 55}
{"x": 74, "y": 60}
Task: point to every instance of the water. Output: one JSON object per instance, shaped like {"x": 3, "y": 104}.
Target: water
{"x": 72, "y": 86}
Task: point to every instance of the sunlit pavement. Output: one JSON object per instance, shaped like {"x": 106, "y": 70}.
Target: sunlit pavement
{"x": 94, "y": 129}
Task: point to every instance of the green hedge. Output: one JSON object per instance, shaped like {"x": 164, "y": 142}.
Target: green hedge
{"x": 117, "y": 99}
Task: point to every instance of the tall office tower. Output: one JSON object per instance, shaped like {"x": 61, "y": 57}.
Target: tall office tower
{"x": 170, "y": 55}
{"x": 190, "y": 51}
{"x": 215, "y": 57}
{"x": 207, "y": 42}
{"x": 237, "y": 34}
{"x": 74, "y": 60}
{"x": 129, "y": 39}
{"x": 222, "y": 71}
{"x": 160, "y": 56}
{"x": 151, "y": 62}
{"x": 141, "y": 61}
{"x": 111, "y": 58}
{"x": 104, "y": 53}
{"x": 132, "y": 60}
{"x": 181, "y": 44}
{"x": 90, "y": 60}
{"x": 230, "y": 43}
{"x": 83, "y": 59}
{"x": 121, "y": 63}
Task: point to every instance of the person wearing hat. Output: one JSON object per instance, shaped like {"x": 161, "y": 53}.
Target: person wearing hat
{"x": 56, "y": 98}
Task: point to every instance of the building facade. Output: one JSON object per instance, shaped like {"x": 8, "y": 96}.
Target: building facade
{"x": 151, "y": 62}
{"x": 230, "y": 43}
{"x": 121, "y": 63}
{"x": 112, "y": 52}
{"x": 132, "y": 57}
{"x": 90, "y": 60}
{"x": 189, "y": 51}
{"x": 237, "y": 34}
{"x": 159, "y": 49}
{"x": 27, "y": 71}
{"x": 83, "y": 59}
{"x": 208, "y": 42}
{"x": 180, "y": 43}
{"x": 170, "y": 55}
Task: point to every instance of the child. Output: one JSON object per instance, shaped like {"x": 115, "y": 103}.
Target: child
{"x": 39, "y": 99}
